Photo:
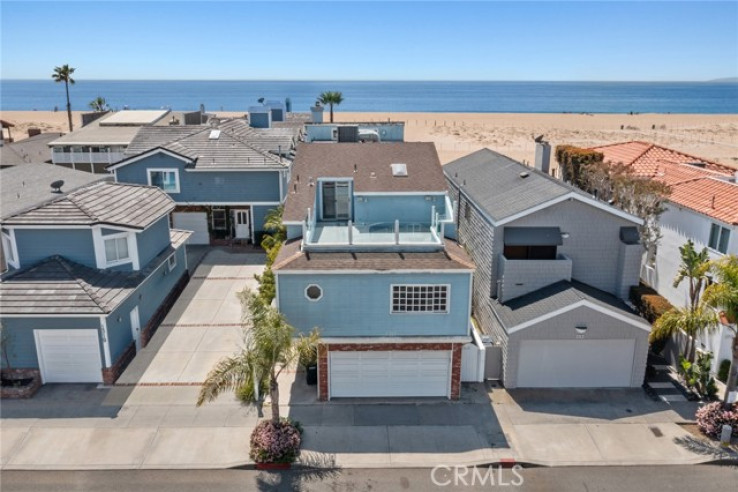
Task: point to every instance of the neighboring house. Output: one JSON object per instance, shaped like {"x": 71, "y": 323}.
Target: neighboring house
{"x": 224, "y": 177}
{"x": 31, "y": 149}
{"x": 367, "y": 263}
{"x": 389, "y": 131}
{"x": 94, "y": 267}
{"x": 554, "y": 267}
{"x": 702, "y": 206}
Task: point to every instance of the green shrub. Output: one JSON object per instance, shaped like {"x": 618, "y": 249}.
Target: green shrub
{"x": 723, "y": 370}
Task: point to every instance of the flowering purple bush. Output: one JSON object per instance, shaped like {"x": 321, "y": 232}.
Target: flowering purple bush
{"x": 276, "y": 442}
{"x": 711, "y": 418}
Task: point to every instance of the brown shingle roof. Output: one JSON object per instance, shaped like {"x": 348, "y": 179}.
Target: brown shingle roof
{"x": 373, "y": 171}
{"x": 127, "y": 205}
{"x": 291, "y": 258}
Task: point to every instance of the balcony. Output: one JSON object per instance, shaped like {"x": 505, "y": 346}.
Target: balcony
{"x": 520, "y": 277}
{"x": 58, "y": 157}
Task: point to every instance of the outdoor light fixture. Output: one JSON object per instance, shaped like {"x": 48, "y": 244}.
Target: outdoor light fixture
{"x": 565, "y": 235}
{"x": 120, "y": 319}
{"x": 581, "y": 329}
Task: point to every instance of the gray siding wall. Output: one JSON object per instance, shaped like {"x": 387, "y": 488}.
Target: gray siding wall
{"x": 520, "y": 277}
{"x": 35, "y": 245}
{"x": 148, "y": 297}
{"x": 22, "y": 352}
{"x": 599, "y": 327}
{"x": 153, "y": 240}
{"x": 629, "y": 266}
{"x": 207, "y": 187}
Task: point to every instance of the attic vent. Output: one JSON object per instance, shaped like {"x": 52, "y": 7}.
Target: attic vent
{"x": 214, "y": 134}
{"x": 524, "y": 174}
{"x": 399, "y": 170}
{"x": 697, "y": 164}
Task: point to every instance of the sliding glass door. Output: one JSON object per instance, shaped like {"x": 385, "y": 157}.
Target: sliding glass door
{"x": 336, "y": 200}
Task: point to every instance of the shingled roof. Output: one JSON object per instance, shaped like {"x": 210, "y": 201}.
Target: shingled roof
{"x": 697, "y": 184}
{"x": 292, "y": 258}
{"x": 126, "y": 205}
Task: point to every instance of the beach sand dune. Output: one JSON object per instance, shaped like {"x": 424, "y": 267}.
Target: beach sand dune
{"x": 709, "y": 136}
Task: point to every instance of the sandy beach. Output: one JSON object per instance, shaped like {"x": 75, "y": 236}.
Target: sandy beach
{"x": 710, "y": 136}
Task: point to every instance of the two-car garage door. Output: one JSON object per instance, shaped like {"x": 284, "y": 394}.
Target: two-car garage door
{"x": 389, "y": 373}
{"x": 575, "y": 363}
{"x": 69, "y": 356}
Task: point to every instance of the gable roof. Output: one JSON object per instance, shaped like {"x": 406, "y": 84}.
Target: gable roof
{"x": 27, "y": 186}
{"x": 703, "y": 188}
{"x": 31, "y": 149}
{"x": 505, "y": 189}
{"x": 125, "y": 205}
{"x": 562, "y": 296}
{"x": 373, "y": 171}
{"x": 292, "y": 259}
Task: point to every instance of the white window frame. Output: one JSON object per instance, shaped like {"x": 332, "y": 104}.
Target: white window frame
{"x": 164, "y": 170}
{"x": 310, "y": 298}
{"x": 12, "y": 250}
{"x": 100, "y": 257}
{"x": 721, "y": 231}
{"x": 392, "y": 292}
{"x": 172, "y": 261}
{"x": 116, "y": 237}
{"x": 225, "y": 218}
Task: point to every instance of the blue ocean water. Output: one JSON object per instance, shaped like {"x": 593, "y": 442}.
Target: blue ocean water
{"x": 518, "y": 97}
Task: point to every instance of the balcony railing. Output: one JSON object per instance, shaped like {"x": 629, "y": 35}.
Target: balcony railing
{"x": 86, "y": 157}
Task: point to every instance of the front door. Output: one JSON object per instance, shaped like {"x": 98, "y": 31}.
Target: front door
{"x": 136, "y": 328}
{"x": 242, "y": 221}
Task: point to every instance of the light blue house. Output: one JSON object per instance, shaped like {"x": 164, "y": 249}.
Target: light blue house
{"x": 91, "y": 272}
{"x": 224, "y": 177}
{"x": 368, "y": 263}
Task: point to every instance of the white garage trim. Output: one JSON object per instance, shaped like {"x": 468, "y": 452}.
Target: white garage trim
{"x": 373, "y": 340}
{"x": 68, "y": 356}
{"x": 604, "y": 363}
{"x": 642, "y": 324}
{"x": 197, "y": 222}
{"x": 392, "y": 373}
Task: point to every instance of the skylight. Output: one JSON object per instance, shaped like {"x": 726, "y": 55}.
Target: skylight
{"x": 214, "y": 134}
{"x": 399, "y": 169}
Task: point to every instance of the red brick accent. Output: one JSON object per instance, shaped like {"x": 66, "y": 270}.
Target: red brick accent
{"x": 10, "y": 392}
{"x": 323, "y": 350}
{"x": 110, "y": 374}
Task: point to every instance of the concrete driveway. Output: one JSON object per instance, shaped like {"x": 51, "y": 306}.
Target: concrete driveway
{"x": 203, "y": 326}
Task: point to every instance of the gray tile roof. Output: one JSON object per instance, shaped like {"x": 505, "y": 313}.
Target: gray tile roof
{"x": 97, "y": 134}
{"x": 237, "y": 146}
{"x": 373, "y": 172}
{"x": 495, "y": 184}
{"x": 126, "y": 205}
{"x": 553, "y": 297}
{"x": 27, "y": 186}
{"x": 59, "y": 286}
{"x": 31, "y": 149}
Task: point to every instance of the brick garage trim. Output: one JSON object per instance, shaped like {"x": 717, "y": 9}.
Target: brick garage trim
{"x": 148, "y": 331}
{"x": 112, "y": 373}
{"x": 323, "y": 351}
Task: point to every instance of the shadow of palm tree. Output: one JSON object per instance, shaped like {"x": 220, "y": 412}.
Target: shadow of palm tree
{"x": 707, "y": 448}
{"x": 311, "y": 467}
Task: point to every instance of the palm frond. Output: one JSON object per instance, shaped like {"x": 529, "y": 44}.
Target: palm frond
{"x": 228, "y": 375}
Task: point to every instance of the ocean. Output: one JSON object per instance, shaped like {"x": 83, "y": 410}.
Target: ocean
{"x": 442, "y": 97}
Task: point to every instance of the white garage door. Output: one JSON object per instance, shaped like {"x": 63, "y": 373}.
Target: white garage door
{"x": 197, "y": 222}
{"x": 395, "y": 373}
{"x": 575, "y": 363}
{"x": 69, "y": 356}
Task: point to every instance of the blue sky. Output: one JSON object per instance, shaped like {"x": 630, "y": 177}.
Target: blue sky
{"x": 371, "y": 40}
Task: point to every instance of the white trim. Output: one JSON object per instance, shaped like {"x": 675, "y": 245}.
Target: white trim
{"x": 13, "y": 248}
{"x": 391, "y": 299}
{"x": 583, "y": 303}
{"x": 81, "y": 226}
{"x": 281, "y": 186}
{"x": 310, "y": 298}
{"x": 395, "y": 340}
{"x": 148, "y": 153}
{"x": 39, "y": 357}
{"x": 37, "y": 315}
{"x": 229, "y": 204}
{"x": 135, "y": 318}
{"x": 275, "y": 168}
{"x": 400, "y": 193}
{"x": 99, "y": 239}
{"x": 276, "y": 291}
{"x": 106, "y": 341}
{"x": 174, "y": 170}
{"x": 292, "y": 222}
{"x": 173, "y": 256}
{"x": 371, "y": 272}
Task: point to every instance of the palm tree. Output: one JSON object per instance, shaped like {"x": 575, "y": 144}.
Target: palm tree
{"x": 269, "y": 348}
{"x": 330, "y": 98}
{"x": 685, "y": 320}
{"x": 723, "y": 295}
{"x": 99, "y": 104}
{"x": 64, "y": 74}
{"x": 695, "y": 267}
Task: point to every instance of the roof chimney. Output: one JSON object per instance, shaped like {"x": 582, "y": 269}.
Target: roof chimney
{"x": 543, "y": 155}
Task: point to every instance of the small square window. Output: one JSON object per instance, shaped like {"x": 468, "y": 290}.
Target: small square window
{"x": 219, "y": 218}
{"x": 172, "y": 262}
{"x": 116, "y": 249}
{"x": 166, "y": 179}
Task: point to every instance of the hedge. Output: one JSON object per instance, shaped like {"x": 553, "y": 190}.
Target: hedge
{"x": 648, "y": 302}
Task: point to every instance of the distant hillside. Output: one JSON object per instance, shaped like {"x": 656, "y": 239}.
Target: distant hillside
{"x": 729, "y": 80}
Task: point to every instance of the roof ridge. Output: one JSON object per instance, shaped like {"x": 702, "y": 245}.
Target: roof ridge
{"x": 258, "y": 149}
{"x": 702, "y": 159}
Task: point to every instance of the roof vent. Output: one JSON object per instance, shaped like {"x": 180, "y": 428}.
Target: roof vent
{"x": 56, "y": 186}
{"x": 399, "y": 170}
{"x": 698, "y": 164}
{"x": 214, "y": 134}
{"x": 373, "y": 175}
{"x": 524, "y": 174}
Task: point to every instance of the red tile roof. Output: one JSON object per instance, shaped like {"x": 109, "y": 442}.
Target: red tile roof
{"x": 703, "y": 188}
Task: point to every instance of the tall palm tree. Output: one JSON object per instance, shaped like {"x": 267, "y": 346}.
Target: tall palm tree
{"x": 330, "y": 98}
{"x": 64, "y": 74}
{"x": 269, "y": 348}
{"x": 693, "y": 322}
{"x": 723, "y": 295}
{"x": 695, "y": 268}
{"x": 99, "y": 104}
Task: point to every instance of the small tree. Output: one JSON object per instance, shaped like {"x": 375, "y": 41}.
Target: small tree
{"x": 693, "y": 322}
{"x": 276, "y": 234}
{"x": 694, "y": 268}
{"x": 331, "y": 98}
{"x": 99, "y": 104}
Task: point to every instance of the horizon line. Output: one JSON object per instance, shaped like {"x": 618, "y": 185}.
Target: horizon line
{"x": 720, "y": 79}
